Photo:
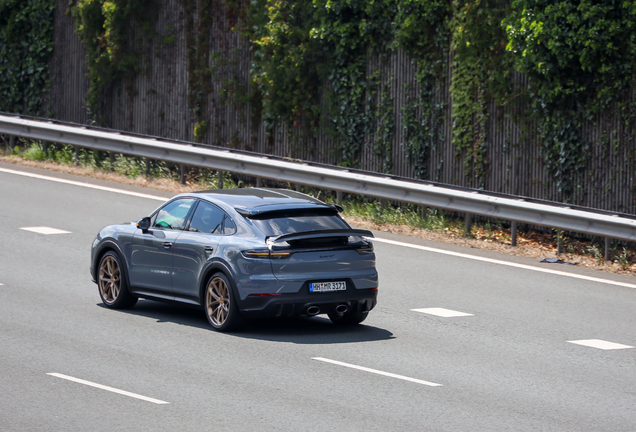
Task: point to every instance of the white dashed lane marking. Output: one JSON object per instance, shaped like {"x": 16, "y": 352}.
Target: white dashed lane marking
{"x": 110, "y": 389}
{"x": 45, "y": 230}
{"x": 600, "y": 344}
{"x": 441, "y": 312}
{"x": 388, "y": 374}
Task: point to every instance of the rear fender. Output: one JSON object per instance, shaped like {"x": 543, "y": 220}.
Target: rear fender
{"x": 216, "y": 266}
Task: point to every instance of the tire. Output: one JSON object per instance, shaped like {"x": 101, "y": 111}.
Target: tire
{"x": 112, "y": 285}
{"x": 351, "y": 317}
{"x": 220, "y": 305}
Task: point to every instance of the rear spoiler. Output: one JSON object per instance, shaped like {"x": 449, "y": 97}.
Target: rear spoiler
{"x": 319, "y": 234}
{"x": 266, "y": 211}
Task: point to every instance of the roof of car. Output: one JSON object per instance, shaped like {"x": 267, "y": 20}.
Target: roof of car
{"x": 253, "y": 201}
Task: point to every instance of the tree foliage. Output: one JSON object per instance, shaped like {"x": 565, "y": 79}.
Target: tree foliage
{"x": 580, "y": 57}
{"x": 288, "y": 62}
{"x": 575, "y": 51}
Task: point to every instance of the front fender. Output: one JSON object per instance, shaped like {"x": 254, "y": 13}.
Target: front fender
{"x": 100, "y": 249}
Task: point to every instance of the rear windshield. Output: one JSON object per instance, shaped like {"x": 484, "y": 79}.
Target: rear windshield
{"x": 275, "y": 224}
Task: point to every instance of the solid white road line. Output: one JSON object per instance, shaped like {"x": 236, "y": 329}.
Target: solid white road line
{"x": 600, "y": 344}
{"x": 110, "y": 389}
{"x": 86, "y": 185}
{"x": 388, "y": 374}
{"x": 45, "y": 230}
{"x": 397, "y": 243}
{"x": 441, "y": 312}
{"x": 506, "y": 263}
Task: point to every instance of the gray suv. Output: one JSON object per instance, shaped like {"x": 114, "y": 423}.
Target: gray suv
{"x": 240, "y": 254}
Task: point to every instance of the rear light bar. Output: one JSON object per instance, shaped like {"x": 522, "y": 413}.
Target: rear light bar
{"x": 264, "y": 295}
{"x": 266, "y": 254}
{"x": 365, "y": 250}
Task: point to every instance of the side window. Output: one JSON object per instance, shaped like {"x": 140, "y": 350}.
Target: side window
{"x": 173, "y": 215}
{"x": 228, "y": 226}
{"x": 207, "y": 219}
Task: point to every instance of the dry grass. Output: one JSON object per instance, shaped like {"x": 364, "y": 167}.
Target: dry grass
{"x": 532, "y": 245}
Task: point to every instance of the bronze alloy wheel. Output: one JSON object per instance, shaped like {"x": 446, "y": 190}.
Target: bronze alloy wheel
{"x": 111, "y": 282}
{"x": 217, "y": 301}
{"x": 109, "y": 279}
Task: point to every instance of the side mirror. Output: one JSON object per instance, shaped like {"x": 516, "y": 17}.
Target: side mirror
{"x": 144, "y": 224}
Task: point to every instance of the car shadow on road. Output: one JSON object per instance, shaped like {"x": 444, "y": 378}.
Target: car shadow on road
{"x": 315, "y": 330}
{"x": 166, "y": 312}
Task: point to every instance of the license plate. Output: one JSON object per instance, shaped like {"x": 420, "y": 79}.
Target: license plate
{"x": 327, "y": 286}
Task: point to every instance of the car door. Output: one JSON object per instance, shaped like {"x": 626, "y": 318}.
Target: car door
{"x": 151, "y": 262}
{"x": 195, "y": 246}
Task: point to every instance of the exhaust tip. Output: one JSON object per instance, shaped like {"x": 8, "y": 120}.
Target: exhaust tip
{"x": 313, "y": 310}
{"x": 342, "y": 308}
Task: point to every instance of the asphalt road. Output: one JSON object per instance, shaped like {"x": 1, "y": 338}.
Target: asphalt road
{"x": 508, "y": 363}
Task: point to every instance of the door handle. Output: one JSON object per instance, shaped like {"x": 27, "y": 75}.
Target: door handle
{"x": 167, "y": 245}
{"x": 209, "y": 249}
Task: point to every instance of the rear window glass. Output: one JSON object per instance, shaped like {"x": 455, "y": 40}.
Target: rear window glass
{"x": 279, "y": 224}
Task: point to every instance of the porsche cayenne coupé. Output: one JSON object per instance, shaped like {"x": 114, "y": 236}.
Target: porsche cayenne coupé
{"x": 240, "y": 254}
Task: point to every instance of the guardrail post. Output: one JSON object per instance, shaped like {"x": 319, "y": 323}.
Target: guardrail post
{"x": 559, "y": 242}
{"x": 147, "y": 167}
{"x": 259, "y": 182}
{"x": 468, "y": 223}
{"x": 513, "y": 234}
{"x": 608, "y": 252}
{"x": 77, "y": 155}
{"x": 11, "y": 143}
{"x": 183, "y": 173}
{"x": 111, "y": 157}
{"x": 339, "y": 197}
{"x": 220, "y": 179}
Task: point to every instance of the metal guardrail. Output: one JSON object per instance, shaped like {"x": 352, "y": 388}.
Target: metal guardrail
{"x": 516, "y": 209}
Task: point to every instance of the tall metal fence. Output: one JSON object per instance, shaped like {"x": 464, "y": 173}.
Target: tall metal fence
{"x": 158, "y": 106}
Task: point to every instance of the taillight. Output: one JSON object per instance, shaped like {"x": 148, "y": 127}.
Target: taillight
{"x": 366, "y": 249}
{"x": 264, "y": 295}
{"x": 265, "y": 254}
{"x": 278, "y": 255}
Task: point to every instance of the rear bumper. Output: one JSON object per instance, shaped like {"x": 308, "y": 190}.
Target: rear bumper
{"x": 288, "y": 305}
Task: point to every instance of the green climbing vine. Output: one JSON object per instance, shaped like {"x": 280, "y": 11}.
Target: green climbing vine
{"x": 322, "y": 67}
{"x": 350, "y": 31}
{"x": 26, "y": 44}
{"x": 422, "y": 30}
{"x": 385, "y": 129}
{"x": 580, "y": 57}
{"x": 106, "y": 28}
{"x": 287, "y": 68}
{"x": 481, "y": 70}
{"x": 198, "y": 20}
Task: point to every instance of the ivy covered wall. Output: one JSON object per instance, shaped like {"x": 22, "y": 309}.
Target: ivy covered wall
{"x": 530, "y": 97}
{"x": 26, "y": 44}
